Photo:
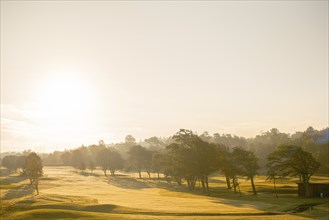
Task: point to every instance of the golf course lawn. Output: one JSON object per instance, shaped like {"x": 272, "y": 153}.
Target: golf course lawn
{"x": 66, "y": 193}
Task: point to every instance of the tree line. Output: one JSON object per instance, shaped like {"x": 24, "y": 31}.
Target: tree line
{"x": 313, "y": 141}
{"x": 191, "y": 158}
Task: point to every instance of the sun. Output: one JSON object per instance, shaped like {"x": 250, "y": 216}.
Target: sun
{"x": 65, "y": 100}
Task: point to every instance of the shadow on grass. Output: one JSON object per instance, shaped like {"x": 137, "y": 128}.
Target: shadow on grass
{"x": 4, "y": 172}
{"x": 106, "y": 208}
{"x": 88, "y": 174}
{"x": 19, "y": 192}
{"x": 12, "y": 179}
{"x": 280, "y": 190}
{"x": 128, "y": 183}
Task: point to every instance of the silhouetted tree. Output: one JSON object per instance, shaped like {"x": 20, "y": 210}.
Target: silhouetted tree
{"x": 95, "y": 149}
{"x": 158, "y": 163}
{"x": 67, "y": 158}
{"x": 266, "y": 142}
{"x": 154, "y": 143}
{"x": 115, "y": 161}
{"x": 147, "y": 161}
{"x": 293, "y": 161}
{"x": 192, "y": 158}
{"x": 9, "y": 162}
{"x": 91, "y": 166}
{"x": 80, "y": 157}
{"x": 34, "y": 169}
{"x": 109, "y": 159}
{"x": 137, "y": 157}
{"x": 101, "y": 143}
{"x": 129, "y": 139}
{"x": 225, "y": 163}
{"x": 247, "y": 164}
{"x": 272, "y": 175}
{"x": 82, "y": 166}
{"x": 14, "y": 162}
{"x": 103, "y": 159}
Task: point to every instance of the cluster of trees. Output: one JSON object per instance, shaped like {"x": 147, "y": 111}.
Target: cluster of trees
{"x": 14, "y": 162}
{"x": 310, "y": 140}
{"x": 30, "y": 165}
{"x": 191, "y": 158}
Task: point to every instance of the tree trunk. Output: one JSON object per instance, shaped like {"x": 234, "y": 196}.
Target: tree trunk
{"x": 239, "y": 189}
{"x": 37, "y": 186}
{"x": 158, "y": 175}
{"x": 253, "y": 185}
{"x": 234, "y": 184}
{"x": 276, "y": 192}
{"x": 203, "y": 185}
{"x": 207, "y": 185}
{"x": 228, "y": 183}
{"x": 179, "y": 181}
{"x": 105, "y": 172}
{"x": 140, "y": 175}
{"x": 306, "y": 186}
{"x": 193, "y": 182}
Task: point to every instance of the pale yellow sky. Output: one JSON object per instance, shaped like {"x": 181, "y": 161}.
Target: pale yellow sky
{"x": 76, "y": 72}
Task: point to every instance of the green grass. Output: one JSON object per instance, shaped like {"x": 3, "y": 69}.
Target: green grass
{"x": 67, "y": 194}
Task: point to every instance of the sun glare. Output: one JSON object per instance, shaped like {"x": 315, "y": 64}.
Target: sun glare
{"x": 65, "y": 101}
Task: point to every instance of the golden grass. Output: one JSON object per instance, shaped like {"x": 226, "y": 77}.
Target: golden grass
{"x": 68, "y": 194}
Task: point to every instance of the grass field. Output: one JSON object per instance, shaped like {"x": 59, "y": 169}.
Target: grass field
{"x": 68, "y": 194}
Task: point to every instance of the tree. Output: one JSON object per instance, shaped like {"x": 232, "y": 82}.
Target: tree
{"x": 292, "y": 160}
{"x": 272, "y": 175}
{"x": 247, "y": 164}
{"x": 158, "y": 163}
{"x": 266, "y": 142}
{"x": 95, "y": 149}
{"x": 34, "y": 169}
{"x": 115, "y": 161}
{"x": 82, "y": 166}
{"x": 154, "y": 143}
{"x": 103, "y": 159}
{"x": 101, "y": 143}
{"x": 205, "y": 154}
{"x": 67, "y": 158}
{"x": 191, "y": 158}
{"x": 140, "y": 159}
{"x": 147, "y": 161}
{"x": 137, "y": 158}
{"x": 225, "y": 164}
{"x": 9, "y": 162}
{"x": 109, "y": 159}
{"x": 91, "y": 166}
{"x": 183, "y": 163}
{"x": 80, "y": 158}
{"x": 14, "y": 162}
{"x": 129, "y": 139}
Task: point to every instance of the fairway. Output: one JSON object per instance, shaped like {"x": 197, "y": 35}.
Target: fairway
{"x": 65, "y": 193}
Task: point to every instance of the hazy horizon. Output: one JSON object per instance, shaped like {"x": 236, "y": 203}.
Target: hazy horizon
{"x": 73, "y": 73}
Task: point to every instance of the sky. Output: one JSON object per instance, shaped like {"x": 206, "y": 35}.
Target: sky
{"x": 75, "y": 72}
